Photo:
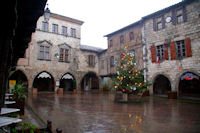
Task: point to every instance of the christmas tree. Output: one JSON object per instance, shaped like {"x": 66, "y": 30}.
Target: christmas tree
{"x": 128, "y": 79}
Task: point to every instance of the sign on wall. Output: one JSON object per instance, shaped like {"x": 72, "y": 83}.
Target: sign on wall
{"x": 189, "y": 76}
{"x": 12, "y": 84}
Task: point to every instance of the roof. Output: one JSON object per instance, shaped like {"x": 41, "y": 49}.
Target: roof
{"x": 54, "y": 15}
{"x": 124, "y": 28}
{"x": 167, "y": 9}
{"x": 91, "y": 48}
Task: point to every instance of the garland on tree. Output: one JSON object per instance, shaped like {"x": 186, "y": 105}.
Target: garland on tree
{"x": 128, "y": 79}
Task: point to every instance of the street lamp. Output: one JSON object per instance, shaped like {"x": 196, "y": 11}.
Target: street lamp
{"x": 47, "y": 14}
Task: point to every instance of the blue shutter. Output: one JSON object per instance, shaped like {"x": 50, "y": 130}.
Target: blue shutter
{"x": 163, "y": 21}
{"x": 173, "y": 17}
{"x": 154, "y": 24}
{"x": 184, "y": 14}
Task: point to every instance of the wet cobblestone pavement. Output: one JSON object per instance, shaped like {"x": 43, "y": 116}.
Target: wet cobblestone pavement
{"x": 98, "y": 113}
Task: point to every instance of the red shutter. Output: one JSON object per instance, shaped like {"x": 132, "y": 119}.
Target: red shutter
{"x": 153, "y": 53}
{"x": 188, "y": 47}
{"x": 166, "y": 52}
{"x": 173, "y": 50}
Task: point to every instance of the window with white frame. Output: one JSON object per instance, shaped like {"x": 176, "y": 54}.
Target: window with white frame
{"x": 45, "y": 26}
{"x": 44, "y": 52}
{"x": 64, "y": 55}
{"x": 160, "y": 52}
{"x": 55, "y": 28}
{"x": 179, "y": 15}
{"x": 73, "y": 32}
{"x": 64, "y": 30}
{"x": 180, "y": 49}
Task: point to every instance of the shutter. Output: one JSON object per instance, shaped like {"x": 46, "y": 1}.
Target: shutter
{"x": 153, "y": 53}
{"x": 188, "y": 47}
{"x": 166, "y": 52}
{"x": 154, "y": 24}
{"x": 163, "y": 21}
{"x": 173, "y": 17}
{"x": 93, "y": 60}
{"x": 89, "y": 60}
{"x": 184, "y": 14}
{"x": 173, "y": 50}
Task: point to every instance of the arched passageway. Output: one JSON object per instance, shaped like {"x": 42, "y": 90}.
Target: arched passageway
{"x": 67, "y": 82}
{"x": 189, "y": 85}
{"x": 90, "y": 82}
{"x": 18, "y": 77}
{"x": 161, "y": 85}
{"x": 44, "y": 82}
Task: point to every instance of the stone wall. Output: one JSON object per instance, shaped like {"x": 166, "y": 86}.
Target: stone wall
{"x": 189, "y": 29}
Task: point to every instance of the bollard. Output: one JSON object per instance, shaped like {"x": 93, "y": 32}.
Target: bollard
{"x": 49, "y": 125}
{"x": 58, "y": 130}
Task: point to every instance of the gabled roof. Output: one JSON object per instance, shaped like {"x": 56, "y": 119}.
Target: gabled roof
{"x": 168, "y": 9}
{"x": 124, "y": 28}
{"x": 54, "y": 15}
{"x": 91, "y": 48}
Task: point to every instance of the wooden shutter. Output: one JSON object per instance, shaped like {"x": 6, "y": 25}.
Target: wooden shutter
{"x": 153, "y": 53}
{"x": 61, "y": 54}
{"x": 163, "y": 21}
{"x": 173, "y": 50}
{"x": 184, "y": 14}
{"x": 166, "y": 52}
{"x": 154, "y": 24}
{"x": 188, "y": 47}
{"x": 66, "y": 55}
{"x": 173, "y": 17}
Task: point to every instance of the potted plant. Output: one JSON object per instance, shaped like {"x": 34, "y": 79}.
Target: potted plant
{"x": 19, "y": 96}
{"x": 74, "y": 86}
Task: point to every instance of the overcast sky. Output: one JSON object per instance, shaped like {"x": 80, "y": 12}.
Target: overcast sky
{"x": 102, "y": 17}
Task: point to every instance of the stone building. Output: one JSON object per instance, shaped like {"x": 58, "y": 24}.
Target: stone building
{"x": 55, "y": 58}
{"x": 130, "y": 36}
{"x": 172, "y": 46}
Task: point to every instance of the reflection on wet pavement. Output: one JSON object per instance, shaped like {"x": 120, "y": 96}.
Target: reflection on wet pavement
{"x": 98, "y": 113}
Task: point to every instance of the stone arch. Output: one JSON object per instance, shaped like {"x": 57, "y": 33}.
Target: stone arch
{"x": 67, "y": 82}
{"x": 161, "y": 84}
{"x": 188, "y": 86}
{"x": 91, "y": 80}
{"x": 44, "y": 81}
{"x": 19, "y": 76}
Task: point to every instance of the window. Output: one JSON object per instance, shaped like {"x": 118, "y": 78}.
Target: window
{"x": 159, "y": 23}
{"x": 179, "y": 16}
{"x": 44, "y": 53}
{"x": 91, "y": 60}
{"x": 131, "y": 36}
{"x": 55, "y": 28}
{"x": 45, "y": 26}
{"x": 64, "y": 30}
{"x": 160, "y": 52}
{"x": 121, "y": 39}
{"x": 73, "y": 32}
{"x": 102, "y": 64}
{"x": 180, "y": 49}
{"x": 112, "y": 61}
{"x": 64, "y": 55}
{"x": 111, "y": 43}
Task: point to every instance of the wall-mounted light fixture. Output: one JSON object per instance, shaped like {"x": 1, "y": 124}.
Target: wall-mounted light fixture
{"x": 47, "y": 14}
